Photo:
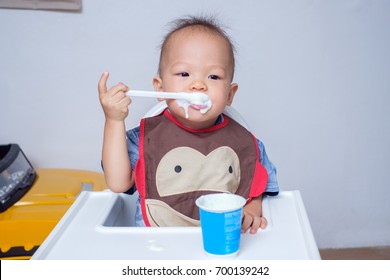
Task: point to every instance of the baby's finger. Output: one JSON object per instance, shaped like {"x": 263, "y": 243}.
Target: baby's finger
{"x": 102, "y": 85}
{"x": 246, "y": 223}
{"x": 119, "y": 89}
{"x": 263, "y": 223}
{"x": 126, "y": 101}
{"x": 255, "y": 225}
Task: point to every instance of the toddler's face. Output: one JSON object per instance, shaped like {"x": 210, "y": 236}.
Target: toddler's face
{"x": 196, "y": 60}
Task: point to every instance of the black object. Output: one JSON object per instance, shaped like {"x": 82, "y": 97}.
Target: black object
{"x": 17, "y": 175}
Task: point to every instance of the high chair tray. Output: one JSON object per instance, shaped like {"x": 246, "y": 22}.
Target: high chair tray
{"x": 99, "y": 225}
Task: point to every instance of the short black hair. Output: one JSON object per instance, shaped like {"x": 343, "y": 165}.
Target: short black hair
{"x": 208, "y": 23}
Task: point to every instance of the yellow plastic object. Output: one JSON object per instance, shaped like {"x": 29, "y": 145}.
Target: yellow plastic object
{"x": 26, "y": 224}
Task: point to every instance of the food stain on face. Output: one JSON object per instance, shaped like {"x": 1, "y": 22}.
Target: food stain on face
{"x": 203, "y": 107}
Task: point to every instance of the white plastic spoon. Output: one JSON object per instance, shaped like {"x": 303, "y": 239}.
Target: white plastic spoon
{"x": 197, "y": 98}
{"x": 183, "y": 99}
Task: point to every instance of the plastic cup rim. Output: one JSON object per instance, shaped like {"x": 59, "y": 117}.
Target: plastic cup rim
{"x": 222, "y": 210}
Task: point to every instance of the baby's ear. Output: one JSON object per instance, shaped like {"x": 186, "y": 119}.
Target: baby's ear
{"x": 157, "y": 83}
{"x": 232, "y": 92}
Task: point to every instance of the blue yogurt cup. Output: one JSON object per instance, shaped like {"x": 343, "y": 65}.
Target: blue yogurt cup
{"x": 220, "y": 220}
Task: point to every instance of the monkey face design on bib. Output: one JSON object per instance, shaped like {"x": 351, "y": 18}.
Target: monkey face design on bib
{"x": 185, "y": 174}
{"x": 185, "y": 169}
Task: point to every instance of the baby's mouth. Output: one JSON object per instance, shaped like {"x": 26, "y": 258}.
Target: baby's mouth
{"x": 198, "y": 106}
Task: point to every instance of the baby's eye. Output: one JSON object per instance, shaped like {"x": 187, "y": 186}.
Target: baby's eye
{"x": 214, "y": 77}
{"x": 183, "y": 74}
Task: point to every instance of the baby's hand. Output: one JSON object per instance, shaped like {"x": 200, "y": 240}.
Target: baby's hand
{"x": 114, "y": 101}
{"x": 253, "y": 216}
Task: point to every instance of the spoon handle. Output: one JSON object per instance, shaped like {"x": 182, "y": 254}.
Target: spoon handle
{"x": 159, "y": 94}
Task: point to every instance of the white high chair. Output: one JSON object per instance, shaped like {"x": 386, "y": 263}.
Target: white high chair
{"x": 100, "y": 225}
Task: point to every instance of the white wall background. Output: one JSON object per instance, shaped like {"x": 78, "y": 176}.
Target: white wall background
{"x": 314, "y": 82}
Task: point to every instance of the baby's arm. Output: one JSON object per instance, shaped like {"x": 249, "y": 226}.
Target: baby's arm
{"x": 116, "y": 163}
{"x": 253, "y": 217}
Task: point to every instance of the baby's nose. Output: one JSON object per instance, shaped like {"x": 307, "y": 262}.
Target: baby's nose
{"x": 198, "y": 85}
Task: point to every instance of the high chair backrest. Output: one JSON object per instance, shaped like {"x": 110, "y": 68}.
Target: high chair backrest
{"x": 229, "y": 111}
